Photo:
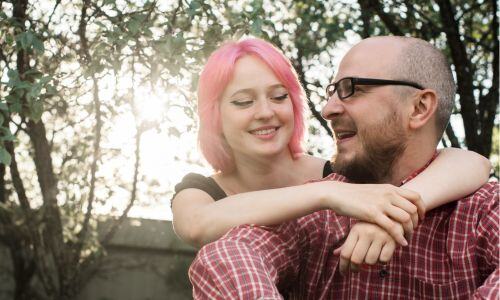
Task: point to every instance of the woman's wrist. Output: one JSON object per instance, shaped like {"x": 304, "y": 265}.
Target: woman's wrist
{"x": 327, "y": 192}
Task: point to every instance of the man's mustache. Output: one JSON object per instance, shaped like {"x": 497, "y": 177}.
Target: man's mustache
{"x": 342, "y": 123}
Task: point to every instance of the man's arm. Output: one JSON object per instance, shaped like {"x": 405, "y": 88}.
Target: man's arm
{"x": 487, "y": 245}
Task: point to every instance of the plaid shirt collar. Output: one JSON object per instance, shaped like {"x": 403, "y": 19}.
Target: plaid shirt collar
{"x": 415, "y": 174}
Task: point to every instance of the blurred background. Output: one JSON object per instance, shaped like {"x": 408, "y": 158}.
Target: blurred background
{"x": 98, "y": 121}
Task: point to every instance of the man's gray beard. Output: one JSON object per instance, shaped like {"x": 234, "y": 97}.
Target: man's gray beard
{"x": 382, "y": 147}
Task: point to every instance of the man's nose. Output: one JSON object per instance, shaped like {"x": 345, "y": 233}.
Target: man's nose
{"x": 334, "y": 107}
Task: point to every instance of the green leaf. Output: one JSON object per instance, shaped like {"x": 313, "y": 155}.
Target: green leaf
{"x": 24, "y": 40}
{"x": 44, "y": 80}
{"x": 193, "y": 8}
{"x": 3, "y": 106}
{"x": 4, "y": 157}
{"x": 27, "y": 40}
{"x": 36, "y": 111}
{"x": 9, "y": 39}
{"x": 133, "y": 26}
{"x": 38, "y": 45}
{"x": 12, "y": 74}
{"x": 108, "y": 2}
{"x": 256, "y": 27}
{"x": 7, "y": 135}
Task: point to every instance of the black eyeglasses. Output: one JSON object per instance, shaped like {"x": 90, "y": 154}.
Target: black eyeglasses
{"x": 345, "y": 87}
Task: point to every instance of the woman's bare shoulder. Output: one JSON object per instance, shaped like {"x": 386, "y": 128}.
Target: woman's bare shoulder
{"x": 311, "y": 166}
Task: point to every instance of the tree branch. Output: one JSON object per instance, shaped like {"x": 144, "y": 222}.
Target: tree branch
{"x": 138, "y": 135}
{"x": 450, "y": 133}
{"x": 388, "y": 20}
{"x": 464, "y": 76}
{"x": 302, "y": 77}
{"x": 82, "y": 234}
{"x": 489, "y": 103}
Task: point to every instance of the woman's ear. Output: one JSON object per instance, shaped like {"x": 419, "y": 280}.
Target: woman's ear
{"x": 424, "y": 106}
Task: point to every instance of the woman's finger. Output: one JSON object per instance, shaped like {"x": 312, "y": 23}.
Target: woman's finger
{"x": 397, "y": 214}
{"x": 393, "y": 228}
{"x": 404, "y": 204}
{"x": 415, "y": 198}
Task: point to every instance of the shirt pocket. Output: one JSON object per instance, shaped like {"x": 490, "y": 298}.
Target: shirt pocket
{"x": 461, "y": 289}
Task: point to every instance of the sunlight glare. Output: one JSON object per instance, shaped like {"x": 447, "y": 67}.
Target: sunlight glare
{"x": 150, "y": 105}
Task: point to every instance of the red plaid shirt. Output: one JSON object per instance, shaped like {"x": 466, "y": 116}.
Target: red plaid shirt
{"x": 453, "y": 254}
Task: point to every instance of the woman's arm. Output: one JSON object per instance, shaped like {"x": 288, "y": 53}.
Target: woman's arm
{"x": 198, "y": 219}
{"x": 454, "y": 173}
{"x": 463, "y": 171}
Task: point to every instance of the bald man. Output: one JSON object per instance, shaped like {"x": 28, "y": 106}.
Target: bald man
{"x": 388, "y": 106}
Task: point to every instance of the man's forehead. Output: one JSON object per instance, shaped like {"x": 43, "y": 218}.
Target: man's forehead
{"x": 370, "y": 58}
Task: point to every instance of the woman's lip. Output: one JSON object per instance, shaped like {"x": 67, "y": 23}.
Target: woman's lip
{"x": 265, "y": 136}
{"x": 264, "y": 128}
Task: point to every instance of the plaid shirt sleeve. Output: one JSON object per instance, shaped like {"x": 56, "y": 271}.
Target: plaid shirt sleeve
{"x": 487, "y": 245}
{"x": 248, "y": 262}
{"x": 263, "y": 262}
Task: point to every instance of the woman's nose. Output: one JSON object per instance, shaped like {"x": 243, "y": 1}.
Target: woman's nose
{"x": 263, "y": 109}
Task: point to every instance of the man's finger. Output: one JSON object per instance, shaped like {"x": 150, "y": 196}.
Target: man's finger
{"x": 387, "y": 252}
{"x": 346, "y": 252}
{"x": 373, "y": 254}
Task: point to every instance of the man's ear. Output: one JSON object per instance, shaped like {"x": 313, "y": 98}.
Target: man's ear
{"x": 424, "y": 106}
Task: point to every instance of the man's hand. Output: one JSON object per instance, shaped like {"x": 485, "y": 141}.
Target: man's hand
{"x": 388, "y": 206}
{"x": 366, "y": 244}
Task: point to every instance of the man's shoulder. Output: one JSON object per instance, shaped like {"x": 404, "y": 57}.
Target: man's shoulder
{"x": 480, "y": 205}
{"x": 489, "y": 189}
{"x": 487, "y": 195}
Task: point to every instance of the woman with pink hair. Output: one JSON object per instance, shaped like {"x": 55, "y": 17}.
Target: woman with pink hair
{"x": 251, "y": 110}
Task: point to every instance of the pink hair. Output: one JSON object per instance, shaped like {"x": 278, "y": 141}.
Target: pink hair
{"x": 214, "y": 78}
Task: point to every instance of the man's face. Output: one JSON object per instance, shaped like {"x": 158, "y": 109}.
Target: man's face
{"x": 369, "y": 125}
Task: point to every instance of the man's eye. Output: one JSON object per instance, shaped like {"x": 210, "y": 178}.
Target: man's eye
{"x": 281, "y": 97}
{"x": 242, "y": 103}
{"x": 358, "y": 89}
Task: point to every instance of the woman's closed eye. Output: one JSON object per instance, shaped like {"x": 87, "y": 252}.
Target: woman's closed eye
{"x": 242, "y": 102}
{"x": 280, "y": 97}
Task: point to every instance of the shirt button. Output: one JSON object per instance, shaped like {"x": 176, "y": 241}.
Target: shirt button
{"x": 383, "y": 273}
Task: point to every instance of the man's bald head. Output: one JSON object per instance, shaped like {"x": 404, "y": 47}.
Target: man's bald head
{"x": 418, "y": 61}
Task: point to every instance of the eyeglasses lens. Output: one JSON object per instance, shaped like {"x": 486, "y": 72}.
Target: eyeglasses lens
{"x": 344, "y": 88}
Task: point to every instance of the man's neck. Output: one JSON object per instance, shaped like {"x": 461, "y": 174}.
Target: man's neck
{"x": 413, "y": 159}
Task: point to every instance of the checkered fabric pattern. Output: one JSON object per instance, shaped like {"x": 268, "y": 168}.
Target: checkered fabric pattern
{"x": 453, "y": 254}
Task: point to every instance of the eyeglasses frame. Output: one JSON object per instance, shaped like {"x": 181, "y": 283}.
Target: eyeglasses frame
{"x": 368, "y": 81}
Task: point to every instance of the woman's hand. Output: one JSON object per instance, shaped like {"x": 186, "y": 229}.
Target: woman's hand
{"x": 382, "y": 204}
{"x": 366, "y": 244}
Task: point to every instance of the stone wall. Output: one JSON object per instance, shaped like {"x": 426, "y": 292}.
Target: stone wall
{"x": 145, "y": 261}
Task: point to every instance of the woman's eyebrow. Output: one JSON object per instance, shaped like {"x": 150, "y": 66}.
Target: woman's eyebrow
{"x": 242, "y": 91}
{"x": 274, "y": 86}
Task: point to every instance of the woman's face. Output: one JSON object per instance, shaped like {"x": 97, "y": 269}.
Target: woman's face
{"x": 256, "y": 110}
